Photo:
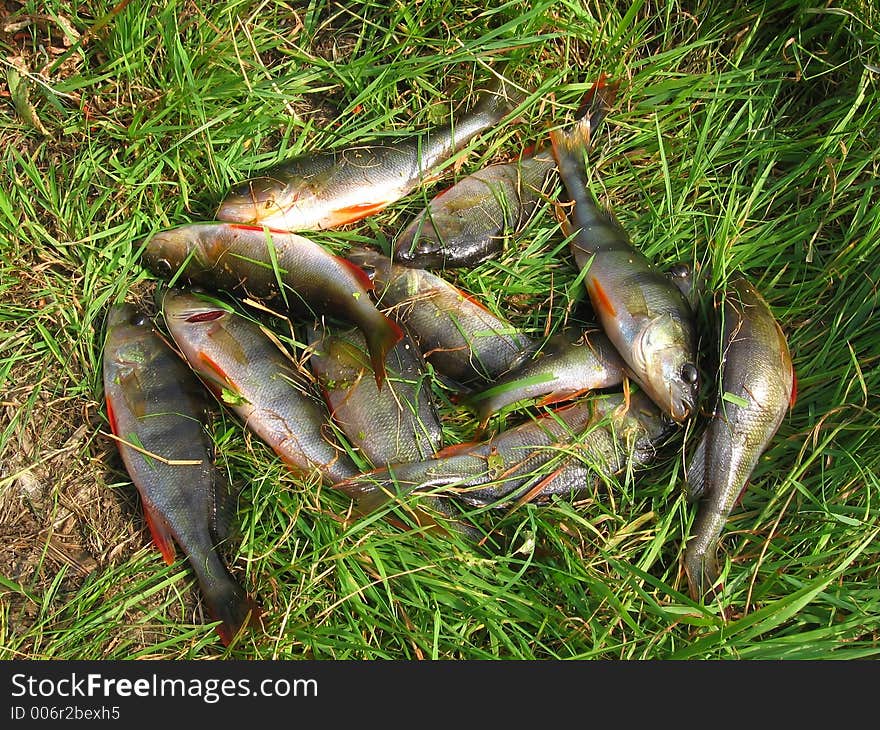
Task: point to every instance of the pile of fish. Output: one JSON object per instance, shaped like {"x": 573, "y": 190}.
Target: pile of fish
{"x": 379, "y": 330}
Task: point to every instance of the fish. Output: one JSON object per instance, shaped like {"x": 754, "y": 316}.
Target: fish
{"x": 331, "y": 188}
{"x": 561, "y": 453}
{"x": 643, "y": 312}
{"x": 468, "y": 222}
{"x": 398, "y": 423}
{"x": 565, "y": 369}
{"x": 457, "y": 334}
{"x": 278, "y": 267}
{"x": 158, "y": 412}
{"x": 241, "y": 364}
{"x": 757, "y": 386}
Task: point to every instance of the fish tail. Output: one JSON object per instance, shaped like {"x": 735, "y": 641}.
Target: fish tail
{"x": 448, "y": 523}
{"x": 569, "y": 146}
{"x": 373, "y": 494}
{"x": 702, "y": 570}
{"x": 597, "y": 102}
{"x": 228, "y": 603}
{"x": 569, "y": 150}
{"x": 368, "y": 494}
{"x": 380, "y": 340}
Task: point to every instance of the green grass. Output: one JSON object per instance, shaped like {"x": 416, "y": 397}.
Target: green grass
{"x": 744, "y": 137}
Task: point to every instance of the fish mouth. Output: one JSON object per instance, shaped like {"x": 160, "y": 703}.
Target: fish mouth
{"x": 415, "y": 249}
{"x": 680, "y": 409}
{"x": 419, "y": 240}
{"x": 164, "y": 251}
{"x": 253, "y": 201}
{"x": 425, "y": 256}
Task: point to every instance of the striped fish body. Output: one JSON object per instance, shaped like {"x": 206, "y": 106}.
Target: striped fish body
{"x": 328, "y": 189}
{"x": 561, "y": 453}
{"x": 158, "y": 412}
{"x": 757, "y": 387}
{"x": 468, "y": 223}
{"x": 641, "y": 310}
{"x": 457, "y": 335}
{"x": 276, "y": 266}
{"x": 394, "y": 424}
{"x": 248, "y": 372}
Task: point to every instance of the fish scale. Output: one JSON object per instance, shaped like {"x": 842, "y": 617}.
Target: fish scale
{"x": 276, "y": 266}
{"x": 327, "y": 189}
{"x": 394, "y": 425}
{"x": 460, "y": 337}
{"x": 158, "y": 411}
{"x": 756, "y": 388}
{"x": 561, "y": 453}
{"x": 641, "y": 310}
{"x": 466, "y": 224}
{"x": 266, "y": 391}
{"x": 398, "y": 423}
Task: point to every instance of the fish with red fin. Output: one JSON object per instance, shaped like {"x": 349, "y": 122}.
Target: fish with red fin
{"x": 157, "y": 411}
{"x": 278, "y": 267}
{"x": 642, "y": 311}
{"x": 469, "y": 222}
{"x": 246, "y": 369}
{"x": 330, "y": 188}
{"x": 456, "y": 333}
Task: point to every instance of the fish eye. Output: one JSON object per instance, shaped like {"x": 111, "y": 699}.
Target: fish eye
{"x": 680, "y": 271}
{"x": 689, "y": 373}
{"x": 164, "y": 267}
{"x": 138, "y": 319}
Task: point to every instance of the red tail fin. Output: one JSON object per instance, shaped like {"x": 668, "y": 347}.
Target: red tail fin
{"x": 379, "y": 341}
{"x": 234, "y": 611}
{"x": 597, "y": 102}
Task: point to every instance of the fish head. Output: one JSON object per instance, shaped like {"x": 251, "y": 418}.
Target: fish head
{"x": 637, "y": 423}
{"x": 683, "y": 277}
{"x": 260, "y": 200}
{"x": 168, "y": 251}
{"x": 420, "y": 243}
{"x": 124, "y": 315}
{"x": 127, "y": 327}
{"x": 651, "y": 426}
{"x": 665, "y": 365}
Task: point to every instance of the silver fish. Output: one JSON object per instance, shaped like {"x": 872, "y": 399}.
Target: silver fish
{"x": 247, "y": 371}
{"x": 757, "y": 386}
{"x": 327, "y": 189}
{"x": 560, "y": 453}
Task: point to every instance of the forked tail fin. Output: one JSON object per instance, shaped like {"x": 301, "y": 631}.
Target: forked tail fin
{"x": 597, "y": 102}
